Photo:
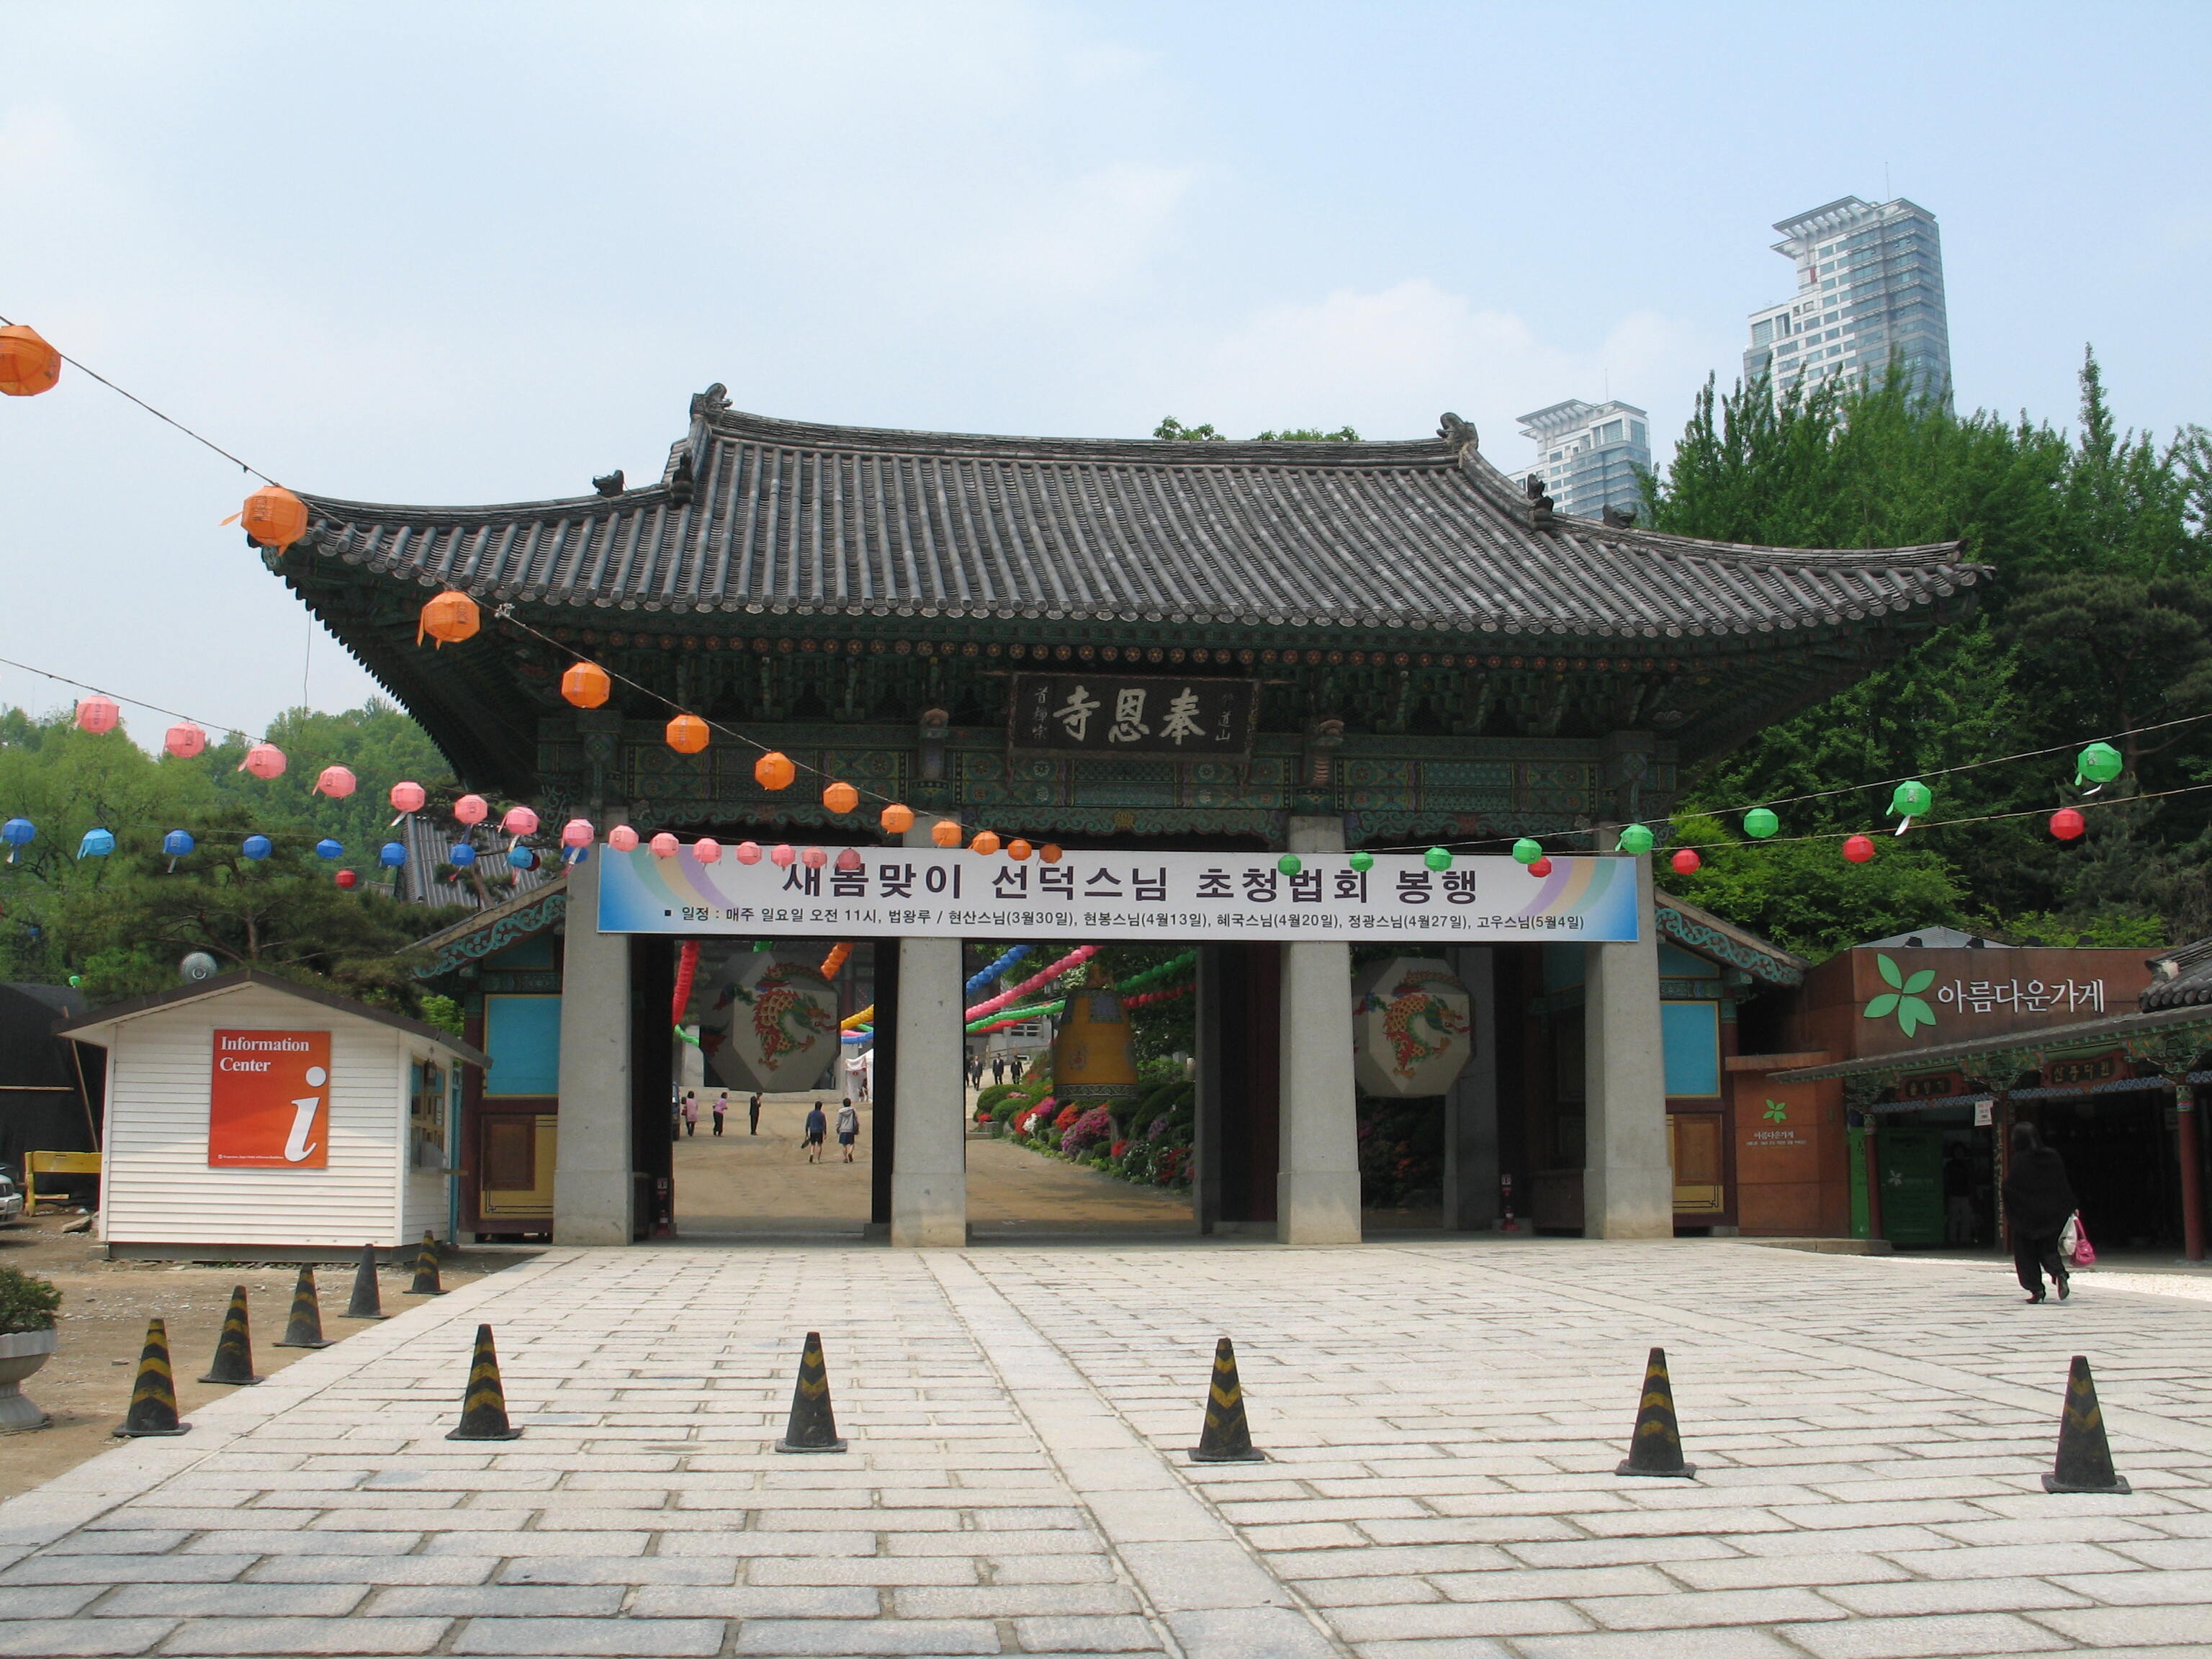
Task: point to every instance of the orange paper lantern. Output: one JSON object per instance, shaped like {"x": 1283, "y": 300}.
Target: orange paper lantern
{"x": 449, "y": 618}
{"x": 586, "y": 684}
{"x": 275, "y": 517}
{"x": 946, "y": 833}
{"x": 1017, "y": 849}
{"x": 687, "y": 734}
{"x": 985, "y": 842}
{"x": 1049, "y": 853}
{"x": 774, "y": 770}
{"x": 897, "y": 819}
{"x": 840, "y": 798}
{"x": 28, "y": 365}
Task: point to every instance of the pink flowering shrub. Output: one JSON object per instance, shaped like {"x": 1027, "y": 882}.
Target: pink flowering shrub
{"x": 1087, "y": 1132}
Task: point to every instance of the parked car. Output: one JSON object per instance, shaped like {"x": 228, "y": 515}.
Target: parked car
{"x": 11, "y": 1198}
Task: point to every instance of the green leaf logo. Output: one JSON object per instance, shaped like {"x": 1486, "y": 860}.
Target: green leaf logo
{"x": 1776, "y": 1112}
{"x": 1903, "y": 998}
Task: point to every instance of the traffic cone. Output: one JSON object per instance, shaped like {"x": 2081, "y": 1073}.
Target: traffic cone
{"x": 365, "y": 1303}
{"x": 233, "y": 1349}
{"x": 483, "y": 1406}
{"x": 426, "y": 1269}
{"x": 1657, "y": 1446}
{"x": 154, "y": 1396}
{"x": 1226, "y": 1438}
{"x": 2085, "y": 1459}
{"x": 304, "y": 1329}
{"x": 813, "y": 1425}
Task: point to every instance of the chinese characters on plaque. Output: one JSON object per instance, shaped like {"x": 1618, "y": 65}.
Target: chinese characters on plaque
{"x": 1114, "y": 714}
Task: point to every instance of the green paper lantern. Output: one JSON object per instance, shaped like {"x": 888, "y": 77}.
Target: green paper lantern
{"x": 1363, "y": 861}
{"x": 1636, "y": 839}
{"x": 2100, "y": 763}
{"x": 1290, "y": 864}
{"x": 1436, "y": 858}
{"x": 1912, "y": 801}
{"x": 1758, "y": 824}
{"x": 1526, "y": 851}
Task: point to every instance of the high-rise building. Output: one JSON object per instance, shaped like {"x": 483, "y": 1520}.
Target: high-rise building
{"x": 1870, "y": 289}
{"x": 1588, "y": 455}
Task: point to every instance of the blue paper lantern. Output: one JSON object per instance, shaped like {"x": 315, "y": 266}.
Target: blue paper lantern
{"x": 257, "y": 848}
{"x": 327, "y": 848}
{"x": 96, "y": 844}
{"x": 18, "y": 833}
{"x": 461, "y": 856}
{"x": 392, "y": 854}
{"x": 522, "y": 857}
{"x": 177, "y": 843}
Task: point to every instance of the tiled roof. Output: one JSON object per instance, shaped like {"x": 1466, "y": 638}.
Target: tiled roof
{"x": 776, "y": 516}
{"x": 2183, "y": 978}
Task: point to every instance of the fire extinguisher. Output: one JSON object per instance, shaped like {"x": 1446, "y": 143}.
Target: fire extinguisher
{"x": 1506, "y": 1223}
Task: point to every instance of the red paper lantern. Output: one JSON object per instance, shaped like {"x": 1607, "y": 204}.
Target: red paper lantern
{"x": 814, "y": 858}
{"x": 1685, "y": 862}
{"x": 748, "y": 852}
{"x": 407, "y": 797}
{"x": 706, "y": 849}
{"x": 2067, "y": 825}
{"x": 346, "y": 878}
{"x": 664, "y": 846}
{"x": 1859, "y": 849}
{"x": 472, "y": 809}
{"x": 449, "y": 618}
{"x": 263, "y": 760}
{"x": 519, "y": 821}
{"x": 97, "y": 714}
{"x": 1540, "y": 866}
{"x": 774, "y": 770}
{"x": 28, "y": 365}
{"x": 687, "y": 734}
{"x": 586, "y": 684}
{"x": 849, "y": 861}
{"x": 623, "y": 839}
{"x": 336, "y": 781}
{"x": 184, "y": 741}
{"x": 784, "y": 856}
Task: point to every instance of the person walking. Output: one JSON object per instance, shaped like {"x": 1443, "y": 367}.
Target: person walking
{"x": 2039, "y": 1200}
{"x": 721, "y": 1108}
{"x": 848, "y": 1128}
{"x": 998, "y": 1068}
{"x": 1958, "y": 1196}
{"x": 690, "y": 1113}
{"x": 752, "y": 1110}
{"x": 817, "y": 1126}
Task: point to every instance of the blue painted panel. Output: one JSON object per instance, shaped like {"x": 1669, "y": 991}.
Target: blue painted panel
{"x": 536, "y": 952}
{"x": 1692, "y": 1032}
{"x": 522, "y": 1035}
{"x": 1675, "y": 963}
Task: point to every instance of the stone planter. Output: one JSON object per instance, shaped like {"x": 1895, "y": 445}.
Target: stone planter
{"x": 21, "y": 1353}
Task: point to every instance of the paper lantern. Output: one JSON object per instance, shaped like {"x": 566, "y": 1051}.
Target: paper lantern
{"x": 2100, "y": 763}
{"x": 1017, "y": 849}
{"x": 985, "y": 842}
{"x": 840, "y": 798}
{"x": 1685, "y": 862}
{"x": 1541, "y": 868}
{"x": 1438, "y": 858}
{"x": 519, "y": 857}
{"x": 1634, "y": 838}
{"x": 1049, "y": 853}
{"x": 184, "y": 740}
{"x": 448, "y": 617}
{"x": 775, "y": 1020}
{"x": 275, "y": 517}
{"x": 97, "y": 844}
{"x": 784, "y": 856}
{"x": 178, "y": 844}
{"x": 945, "y": 833}
{"x": 392, "y": 854}
{"x": 471, "y": 809}
{"x": 336, "y": 781}
{"x": 1911, "y": 800}
{"x": 664, "y": 845}
{"x": 577, "y": 832}
{"x": 687, "y": 734}
{"x": 707, "y": 849}
{"x": 1758, "y": 824}
{"x": 748, "y": 852}
{"x": 347, "y": 879}
{"x": 265, "y": 761}
{"x": 28, "y": 365}
{"x": 461, "y": 855}
{"x": 1412, "y": 1027}
{"x": 407, "y": 797}
{"x": 2067, "y": 825}
{"x": 1290, "y": 864}
{"x": 1362, "y": 860}
{"x": 519, "y": 821}
{"x": 586, "y": 684}
{"x": 814, "y": 858}
{"x": 18, "y": 833}
{"x": 1859, "y": 849}
{"x": 623, "y": 838}
{"x": 897, "y": 819}
{"x": 1526, "y": 851}
{"x": 327, "y": 848}
{"x": 774, "y": 770}
{"x": 257, "y": 847}
{"x": 849, "y": 861}
{"x": 97, "y": 714}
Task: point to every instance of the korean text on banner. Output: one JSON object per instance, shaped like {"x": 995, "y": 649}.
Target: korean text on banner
{"x": 269, "y": 1101}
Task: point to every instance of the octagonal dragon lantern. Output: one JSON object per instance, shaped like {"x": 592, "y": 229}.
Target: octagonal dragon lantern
{"x": 777, "y": 1023}
{"x": 1412, "y": 1027}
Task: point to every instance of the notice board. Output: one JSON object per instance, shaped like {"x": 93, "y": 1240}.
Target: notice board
{"x": 269, "y": 1100}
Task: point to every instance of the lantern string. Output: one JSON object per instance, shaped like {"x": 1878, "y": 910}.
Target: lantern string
{"x": 136, "y": 703}
{"x": 210, "y": 443}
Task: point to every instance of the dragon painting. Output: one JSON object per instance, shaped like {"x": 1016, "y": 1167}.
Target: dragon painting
{"x": 1419, "y": 1025}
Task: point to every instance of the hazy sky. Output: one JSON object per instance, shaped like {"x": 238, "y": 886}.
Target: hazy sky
{"x": 434, "y": 253}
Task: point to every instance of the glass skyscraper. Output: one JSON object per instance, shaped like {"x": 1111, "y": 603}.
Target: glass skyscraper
{"x": 1588, "y": 455}
{"x": 1870, "y": 289}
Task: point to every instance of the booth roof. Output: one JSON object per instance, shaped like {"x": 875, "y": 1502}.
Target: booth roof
{"x": 116, "y": 1013}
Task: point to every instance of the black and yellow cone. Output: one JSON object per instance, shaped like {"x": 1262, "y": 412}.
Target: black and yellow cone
{"x": 1226, "y": 1437}
{"x": 2084, "y": 1459}
{"x": 813, "y": 1425}
{"x": 154, "y": 1396}
{"x": 1657, "y": 1446}
{"x": 233, "y": 1349}
{"x": 426, "y": 1269}
{"x": 304, "y": 1327}
{"x": 365, "y": 1303}
{"x": 483, "y": 1407}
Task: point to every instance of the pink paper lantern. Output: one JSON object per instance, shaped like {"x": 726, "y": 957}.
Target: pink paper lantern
{"x": 815, "y": 858}
{"x": 748, "y": 852}
{"x": 707, "y": 849}
{"x": 407, "y": 797}
{"x": 849, "y": 860}
{"x": 577, "y": 832}
{"x": 265, "y": 761}
{"x": 336, "y": 781}
{"x": 519, "y": 821}
{"x": 623, "y": 838}
{"x": 184, "y": 740}
{"x": 784, "y": 856}
{"x": 97, "y": 714}
{"x": 472, "y": 809}
{"x": 664, "y": 846}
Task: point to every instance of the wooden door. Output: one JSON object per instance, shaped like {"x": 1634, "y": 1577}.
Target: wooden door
{"x": 1695, "y": 1149}
{"x": 518, "y": 1154}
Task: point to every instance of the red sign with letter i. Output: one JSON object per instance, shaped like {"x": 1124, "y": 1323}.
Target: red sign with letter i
{"x": 269, "y": 1101}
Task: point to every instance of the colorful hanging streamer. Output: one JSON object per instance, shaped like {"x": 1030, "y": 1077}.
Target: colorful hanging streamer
{"x": 1074, "y": 959}
{"x": 977, "y": 981}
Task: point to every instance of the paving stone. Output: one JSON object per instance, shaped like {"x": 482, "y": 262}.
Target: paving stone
{"x": 673, "y": 1637}
{"x": 1081, "y": 1635}
{"x": 307, "y": 1636}
{"x": 236, "y": 1600}
{"x": 53, "y": 1637}
{"x": 46, "y": 1601}
{"x": 2105, "y": 1627}
{"x": 99, "y": 1570}
{"x": 1936, "y": 1637}
{"x": 757, "y": 1601}
{"x": 811, "y": 1637}
{"x": 1457, "y": 1619}
{"x": 1741, "y": 1643}
{"x": 1249, "y": 1633}
{"x": 508, "y": 1600}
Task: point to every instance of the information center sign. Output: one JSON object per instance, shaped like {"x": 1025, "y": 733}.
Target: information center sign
{"x": 917, "y": 892}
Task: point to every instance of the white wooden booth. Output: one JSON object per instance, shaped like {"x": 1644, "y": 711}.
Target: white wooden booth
{"x": 251, "y": 1115}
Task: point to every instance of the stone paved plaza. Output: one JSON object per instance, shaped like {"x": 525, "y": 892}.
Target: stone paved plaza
{"x": 1443, "y": 1418}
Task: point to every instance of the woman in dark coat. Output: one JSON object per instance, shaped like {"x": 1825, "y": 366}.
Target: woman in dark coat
{"x": 2039, "y": 1200}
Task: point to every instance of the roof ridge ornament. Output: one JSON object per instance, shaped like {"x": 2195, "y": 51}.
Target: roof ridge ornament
{"x": 1459, "y": 433}
{"x": 714, "y": 401}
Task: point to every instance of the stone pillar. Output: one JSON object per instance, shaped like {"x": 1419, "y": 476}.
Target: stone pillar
{"x": 592, "y": 1186}
{"x": 929, "y": 1169}
{"x": 1471, "y": 1106}
{"x": 1317, "y": 1182}
{"x": 1628, "y": 1187}
{"x": 1206, "y": 1116}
